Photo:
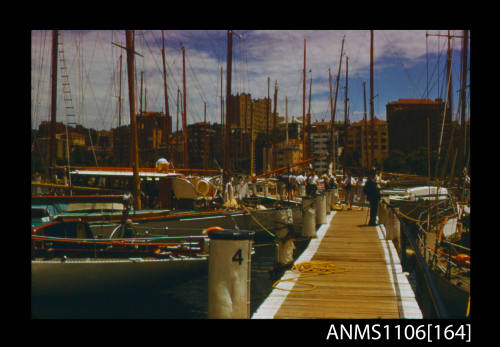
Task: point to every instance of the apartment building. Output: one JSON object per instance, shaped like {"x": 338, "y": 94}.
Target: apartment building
{"x": 358, "y": 145}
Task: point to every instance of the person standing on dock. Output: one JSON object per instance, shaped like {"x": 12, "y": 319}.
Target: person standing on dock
{"x": 372, "y": 193}
{"x": 300, "y": 180}
{"x": 313, "y": 183}
{"x": 349, "y": 190}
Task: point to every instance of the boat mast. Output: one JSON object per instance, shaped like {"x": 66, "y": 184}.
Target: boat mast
{"x": 129, "y": 34}
{"x": 286, "y": 120}
{"x": 304, "y": 106}
{"x": 345, "y": 111}
{"x": 335, "y": 104}
{"x": 141, "y": 110}
{"x": 372, "y": 118}
{"x": 205, "y": 141}
{"x": 331, "y": 150}
{"x": 222, "y": 116}
{"x": 365, "y": 127}
{"x": 184, "y": 120}
{"x": 120, "y": 113}
{"x": 274, "y": 123}
{"x": 53, "y": 105}
{"x": 167, "y": 111}
{"x": 309, "y": 126}
{"x": 465, "y": 46}
{"x": 252, "y": 149}
{"x": 228, "y": 95}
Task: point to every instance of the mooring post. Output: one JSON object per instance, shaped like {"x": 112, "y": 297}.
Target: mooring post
{"x": 308, "y": 217}
{"x": 229, "y": 270}
{"x": 328, "y": 200}
{"x": 320, "y": 209}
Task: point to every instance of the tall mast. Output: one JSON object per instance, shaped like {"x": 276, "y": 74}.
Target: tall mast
{"x": 252, "y": 148}
{"x": 309, "y": 126}
{"x": 268, "y": 106}
{"x": 177, "y": 121}
{"x": 184, "y": 120}
{"x": 286, "y": 120}
{"x": 129, "y": 34}
{"x": 463, "y": 93}
{"x": 228, "y": 95}
{"x": 141, "y": 110}
{"x": 205, "y": 142}
{"x": 120, "y": 114}
{"x": 335, "y": 100}
{"x": 304, "y": 155}
{"x": 167, "y": 111}
{"x": 274, "y": 122}
{"x": 345, "y": 110}
{"x": 365, "y": 126}
{"x": 53, "y": 105}
{"x": 372, "y": 120}
{"x": 222, "y": 115}
{"x": 331, "y": 149}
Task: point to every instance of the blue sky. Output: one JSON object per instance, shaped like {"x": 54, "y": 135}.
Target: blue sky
{"x": 400, "y": 70}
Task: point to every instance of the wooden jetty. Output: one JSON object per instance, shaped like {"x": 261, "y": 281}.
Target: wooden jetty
{"x": 371, "y": 283}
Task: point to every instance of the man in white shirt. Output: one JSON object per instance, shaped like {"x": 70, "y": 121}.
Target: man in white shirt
{"x": 300, "y": 180}
{"x": 313, "y": 181}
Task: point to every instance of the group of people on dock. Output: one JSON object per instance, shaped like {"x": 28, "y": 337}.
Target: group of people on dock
{"x": 352, "y": 188}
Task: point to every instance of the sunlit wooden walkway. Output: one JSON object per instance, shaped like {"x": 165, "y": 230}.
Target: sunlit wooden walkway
{"x": 372, "y": 285}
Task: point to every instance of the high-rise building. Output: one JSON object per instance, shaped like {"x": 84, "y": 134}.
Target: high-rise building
{"x": 242, "y": 106}
{"x": 358, "y": 144}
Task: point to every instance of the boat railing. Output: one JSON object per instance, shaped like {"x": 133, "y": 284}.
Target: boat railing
{"x": 408, "y": 239}
{"x": 404, "y": 233}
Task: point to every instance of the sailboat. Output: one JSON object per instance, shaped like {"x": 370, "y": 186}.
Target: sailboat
{"x": 67, "y": 258}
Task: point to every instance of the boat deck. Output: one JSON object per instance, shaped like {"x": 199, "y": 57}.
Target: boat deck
{"x": 370, "y": 285}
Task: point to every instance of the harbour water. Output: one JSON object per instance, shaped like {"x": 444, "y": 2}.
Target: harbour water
{"x": 186, "y": 301}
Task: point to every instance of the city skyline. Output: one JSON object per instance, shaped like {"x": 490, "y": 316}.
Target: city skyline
{"x": 403, "y": 61}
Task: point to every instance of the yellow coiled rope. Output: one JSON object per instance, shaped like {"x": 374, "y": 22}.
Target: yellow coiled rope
{"x": 310, "y": 269}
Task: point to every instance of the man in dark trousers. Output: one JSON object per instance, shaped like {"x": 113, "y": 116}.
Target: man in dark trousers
{"x": 372, "y": 194}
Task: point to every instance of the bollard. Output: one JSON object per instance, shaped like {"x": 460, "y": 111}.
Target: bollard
{"x": 285, "y": 220}
{"x": 320, "y": 209}
{"x": 323, "y": 208}
{"x": 308, "y": 217}
{"x": 229, "y": 266}
{"x": 284, "y": 252}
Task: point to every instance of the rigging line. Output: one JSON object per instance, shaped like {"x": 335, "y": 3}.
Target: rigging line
{"x": 81, "y": 77}
{"x": 433, "y": 80}
{"x": 197, "y": 82}
{"x": 447, "y": 101}
{"x": 40, "y": 74}
{"x": 160, "y": 70}
{"x": 36, "y": 91}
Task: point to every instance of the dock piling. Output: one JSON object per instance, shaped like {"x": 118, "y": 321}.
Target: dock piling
{"x": 229, "y": 272}
{"x": 320, "y": 205}
{"x": 308, "y": 217}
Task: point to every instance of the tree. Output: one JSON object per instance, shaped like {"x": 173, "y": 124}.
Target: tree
{"x": 396, "y": 161}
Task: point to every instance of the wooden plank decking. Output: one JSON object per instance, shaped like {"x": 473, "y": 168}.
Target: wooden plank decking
{"x": 372, "y": 286}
